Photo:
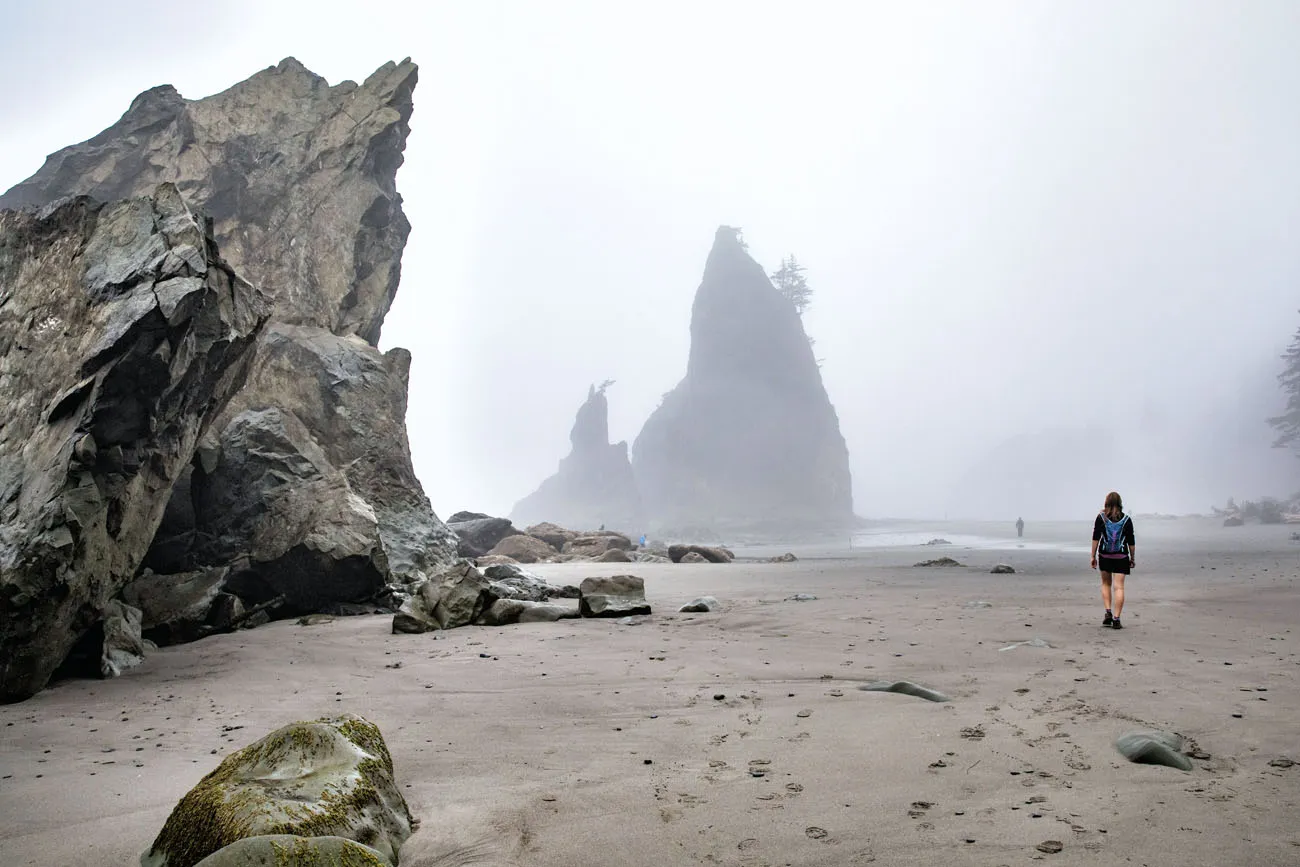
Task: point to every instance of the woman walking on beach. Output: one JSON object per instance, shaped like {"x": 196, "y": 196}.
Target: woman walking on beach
{"x": 1112, "y": 532}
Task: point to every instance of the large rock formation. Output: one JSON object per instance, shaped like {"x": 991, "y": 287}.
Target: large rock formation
{"x": 749, "y": 437}
{"x": 122, "y": 335}
{"x": 594, "y": 486}
{"x": 305, "y": 482}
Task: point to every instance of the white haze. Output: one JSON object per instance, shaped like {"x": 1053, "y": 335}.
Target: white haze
{"x": 1020, "y": 219}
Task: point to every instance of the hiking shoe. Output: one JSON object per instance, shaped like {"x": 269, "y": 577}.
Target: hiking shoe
{"x": 1109, "y": 620}
{"x": 1115, "y": 624}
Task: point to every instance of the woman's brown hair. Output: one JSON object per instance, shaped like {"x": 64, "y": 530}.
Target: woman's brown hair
{"x": 1114, "y": 504}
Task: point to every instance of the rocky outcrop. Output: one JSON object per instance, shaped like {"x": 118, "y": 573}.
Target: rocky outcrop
{"x": 594, "y": 486}
{"x": 328, "y": 778}
{"x": 299, "y": 180}
{"x": 523, "y": 549}
{"x": 749, "y": 437}
{"x": 122, "y": 335}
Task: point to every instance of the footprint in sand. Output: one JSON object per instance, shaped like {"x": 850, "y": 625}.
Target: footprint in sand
{"x": 815, "y": 833}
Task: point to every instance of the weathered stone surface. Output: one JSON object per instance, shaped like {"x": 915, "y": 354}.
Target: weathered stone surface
{"x": 1154, "y": 747}
{"x": 617, "y": 596}
{"x": 477, "y": 536}
{"x": 114, "y": 356}
{"x": 703, "y": 604}
{"x": 595, "y": 544}
{"x": 494, "y": 560}
{"x": 787, "y": 557}
{"x": 552, "y": 534}
{"x": 511, "y": 582}
{"x": 456, "y": 597}
{"x": 287, "y": 850}
{"x": 1002, "y": 569}
{"x": 614, "y": 555}
{"x": 692, "y": 557}
{"x": 523, "y": 549}
{"x": 593, "y": 486}
{"x": 331, "y": 777}
{"x": 123, "y": 643}
{"x": 179, "y": 608}
{"x": 299, "y": 178}
{"x": 712, "y": 554}
{"x": 749, "y": 437}
{"x": 504, "y": 612}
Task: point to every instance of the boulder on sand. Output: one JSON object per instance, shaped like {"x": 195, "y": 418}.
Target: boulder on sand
{"x": 614, "y": 555}
{"x": 703, "y": 604}
{"x": 507, "y": 611}
{"x": 552, "y": 534}
{"x": 330, "y": 777}
{"x": 179, "y": 608}
{"x": 458, "y": 596}
{"x": 595, "y": 544}
{"x": 479, "y": 535}
{"x": 523, "y": 549}
{"x": 693, "y": 557}
{"x": 616, "y": 596}
{"x": 713, "y": 554}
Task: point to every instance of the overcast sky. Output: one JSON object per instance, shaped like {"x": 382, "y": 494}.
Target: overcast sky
{"x": 1019, "y": 219}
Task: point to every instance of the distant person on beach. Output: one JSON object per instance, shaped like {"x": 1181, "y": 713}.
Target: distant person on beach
{"x": 1112, "y": 532}
{"x": 1020, "y": 526}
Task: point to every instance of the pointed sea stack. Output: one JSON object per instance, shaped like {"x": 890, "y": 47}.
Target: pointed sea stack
{"x": 749, "y": 438}
{"x": 594, "y": 486}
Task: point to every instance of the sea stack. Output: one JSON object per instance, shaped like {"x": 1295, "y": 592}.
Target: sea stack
{"x": 594, "y": 486}
{"x": 748, "y": 438}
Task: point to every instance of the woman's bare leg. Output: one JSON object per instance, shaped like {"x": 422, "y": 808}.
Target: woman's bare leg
{"x": 1119, "y": 593}
{"x": 1105, "y": 590}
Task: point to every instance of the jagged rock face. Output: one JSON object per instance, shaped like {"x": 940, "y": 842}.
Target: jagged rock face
{"x": 300, "y": 179}
{"x": 749, "y": 436}
{"x": 594, "y": 486}
{"x": 122, "y": 335}
{"x": 336, "y": 435}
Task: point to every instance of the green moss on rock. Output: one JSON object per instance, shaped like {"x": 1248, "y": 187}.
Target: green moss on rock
{"x": 329, "y": 777}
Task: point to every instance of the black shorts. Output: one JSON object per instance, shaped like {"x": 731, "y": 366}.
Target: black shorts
{"x": 1113, "y": 565}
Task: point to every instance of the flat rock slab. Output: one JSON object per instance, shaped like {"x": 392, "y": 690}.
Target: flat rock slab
{"x": 905, "y": 687}
{"x": 1154, "y": 747}
{"x": 287, "y": 850}
{"x": 616, "y": 596}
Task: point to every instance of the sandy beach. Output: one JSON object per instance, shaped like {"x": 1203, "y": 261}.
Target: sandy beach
{"x": 741, "y": 737}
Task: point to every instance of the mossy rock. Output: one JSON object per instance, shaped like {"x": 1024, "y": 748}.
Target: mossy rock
{"x": 331, "y": 777}
{"x": 286, "y": 850}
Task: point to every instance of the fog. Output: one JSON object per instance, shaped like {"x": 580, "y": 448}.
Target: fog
{"x": 1055, "y": 248}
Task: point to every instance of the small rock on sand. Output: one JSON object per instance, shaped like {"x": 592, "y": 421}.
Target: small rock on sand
{"x": 941, "y": 561}
{"x": 702, "y": 604}
{"x": 1002, "y": 569}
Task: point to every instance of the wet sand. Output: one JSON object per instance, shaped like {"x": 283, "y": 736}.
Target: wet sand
{"x": 741, "y": 737}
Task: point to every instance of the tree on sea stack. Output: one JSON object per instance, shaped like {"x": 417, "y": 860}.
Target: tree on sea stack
{"x": 1287, "y": 424}
{"x": 790, "y": 281}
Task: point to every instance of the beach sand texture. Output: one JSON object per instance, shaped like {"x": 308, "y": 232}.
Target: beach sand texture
{"x": 742, "y": 737}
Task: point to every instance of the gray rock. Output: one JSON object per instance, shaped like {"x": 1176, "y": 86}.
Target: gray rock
{"x": 329, "y": 778}
{"x": 458, "y": 596}
{"x": 614, "y": 555}
{"x": 477, "y": 536}
{"x": 692, "y": 557}
{"x": 595, "y": 544}
{"x": 593, "y": 486}
{"x": 107, "y": 388}
{"x": 702, "y": 604}
{"x": 523, "y": 549}
{"x": 749, "y": 437}
{"x": 512, "y": 582}
{"x": 123, "y": 643}
{"x": 507, "y": 611}
{"x": 552, "y": 534}
{"x": 286, "y": 850}
{"x": 1002, "y": 569}
{"x": 711, "y": 553}
{"x": 616, "y": 596}
{"x": 941, "y": 561}
{"x": 1154, "y": 748}
{"x": 648, "y": 557}
{"x": 787, "y": 557}
{"x": 299, "y": 178}
{"x": 177, "y": 608}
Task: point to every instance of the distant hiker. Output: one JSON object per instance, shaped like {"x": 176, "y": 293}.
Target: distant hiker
{"x": 643, "y": 540}
{"x": 1020, "y": 526}
{"x": 1112, "y": 532}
